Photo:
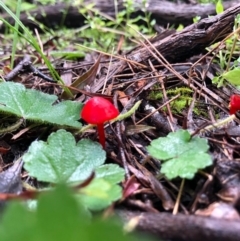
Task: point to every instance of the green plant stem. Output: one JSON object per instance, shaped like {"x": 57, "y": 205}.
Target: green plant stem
{"x": 85, "y": 128}
{"x": 12, "y": 127}
{"x": 231, "y": 52}
{"x": 218, "y": 124}
{"x": 128, "y": 113}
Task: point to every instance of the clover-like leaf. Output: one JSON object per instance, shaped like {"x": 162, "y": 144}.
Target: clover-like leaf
{"x": 37, "y": 106}
{"x": 182, "y": 155}
{"x": 61, "y": 159}
{"x": 103, "y": 190}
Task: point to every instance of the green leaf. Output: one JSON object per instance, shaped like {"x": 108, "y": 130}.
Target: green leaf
{"x": 99, "y": 194}
{"x": 232, "y": 76}
{"x": 103, "y": 190}
{"x": 58, "y": 205}
{"x": 61, "y": 159}
{"x": 219, "y": 7}
{"x": 68, "y": 54}
{"x": 218, "y": 80}
{"x": 22, "y": 230}
{"x": 54, "y": 209}
{"x": 183, "y": 156}
{"x": 58, "y": 217}
{"x": 37, "y": 106}
{"x": 110, "y": 172}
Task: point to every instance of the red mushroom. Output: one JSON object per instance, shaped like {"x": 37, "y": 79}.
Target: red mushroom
{"x": 234, "y": 104}
{"x": 97, "y": 111}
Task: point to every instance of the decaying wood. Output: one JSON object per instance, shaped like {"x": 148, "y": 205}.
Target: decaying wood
{"x": 163, "y": 12}
{"x": 182, "y": 45}
{"x": 193, "y": 39}
{"x": 168, "y": 12}
{"x": 185, "y": 228}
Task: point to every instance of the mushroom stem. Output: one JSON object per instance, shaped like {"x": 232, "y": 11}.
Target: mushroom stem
{"x": 101, "y": 134}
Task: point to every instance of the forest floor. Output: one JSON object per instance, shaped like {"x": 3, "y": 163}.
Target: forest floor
{"x": 177, "y": 136}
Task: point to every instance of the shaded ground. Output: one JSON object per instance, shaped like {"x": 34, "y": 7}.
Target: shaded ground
{"x": 172, "y": 75}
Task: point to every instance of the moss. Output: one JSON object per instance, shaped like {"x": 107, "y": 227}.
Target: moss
{"x": 181, "y": 102}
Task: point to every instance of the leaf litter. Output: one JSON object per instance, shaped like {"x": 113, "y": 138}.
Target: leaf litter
{"x": 52, "y": 155}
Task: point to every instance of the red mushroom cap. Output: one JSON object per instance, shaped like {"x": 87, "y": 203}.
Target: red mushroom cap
{"x": 98, "y": 110}
{"x": 234, "y": 104}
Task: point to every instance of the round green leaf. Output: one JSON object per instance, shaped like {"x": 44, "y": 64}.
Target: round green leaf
{"x": 62, "y": 159}
{"x": 103, "y": 190}
{"x": 110, "y": 172}
{"x": 183, "y": 156}
{"x": 99, "y": 194}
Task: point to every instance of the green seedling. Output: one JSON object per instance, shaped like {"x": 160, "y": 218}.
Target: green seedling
{"x": 60, "y": 159}
{"x": 181, "y": 154}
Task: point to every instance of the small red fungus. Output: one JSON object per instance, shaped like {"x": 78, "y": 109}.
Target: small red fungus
{"x": 234, "y": 104}
{"x": 97, "y": 111}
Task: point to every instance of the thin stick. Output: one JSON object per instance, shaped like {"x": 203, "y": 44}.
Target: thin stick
{"x": 105, "y": 81}
{"x": 111, "y": 55}
{"x": 176, "y": 206}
